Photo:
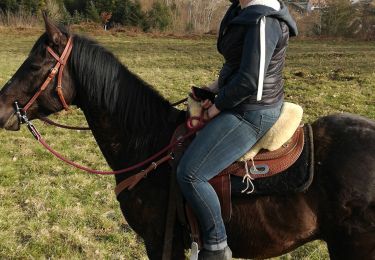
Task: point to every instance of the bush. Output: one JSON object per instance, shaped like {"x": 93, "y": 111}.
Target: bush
{"x": 54, "y": 10}
{"x": 366, "y": 20}
{"x": 341, "y": 18}
{"x": 69, "y": 19}
{"x": 159, "y": 17}
{"x": 92, "y": 13}
{"x": 18, "y": 19}
{"x": 31, "y": 6}
{"x": 128, "y": 13}
{"x": 9, "y": 5}
{"x": 75, "y": 5}
{"x": 336, "y": 18}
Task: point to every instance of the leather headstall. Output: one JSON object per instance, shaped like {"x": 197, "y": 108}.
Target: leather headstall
{"x": 58, "y": 69}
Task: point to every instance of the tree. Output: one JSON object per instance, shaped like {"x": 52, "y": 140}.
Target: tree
{"x": 336, "y": 18}
{"x": 159, "y": 17}
{"x": 364, "y": 24}
{"x": 75, "y": 6}
{"x": 343, "y": 18}
{"x": 201, "y": 13}
{"x": 92, "y": 13}
{"x": 105, "y": 5}
{"x": 31, "y": 6}
{"x": 9, "y": 5}
{"x": 55, "y": 10}
{"x": 128, "y": 13}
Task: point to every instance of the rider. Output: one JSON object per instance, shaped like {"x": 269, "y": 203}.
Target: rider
{"x": 253, "y": 39}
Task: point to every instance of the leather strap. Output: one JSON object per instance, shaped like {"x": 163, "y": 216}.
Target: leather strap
{"x": 50, "y": 122}
{"x": 130, "y": 182}
{"x": 59, "y": 79}
{"x": 170, "y": 219}
{"x": 58, "y": 69}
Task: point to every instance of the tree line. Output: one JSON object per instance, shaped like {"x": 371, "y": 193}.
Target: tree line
{"x": 339, "y": 18}
{"x": 180, "y": 15}
{"x": 123, "y": 12}
{"x": 335, "y": 18}
{"x": 342, "y": 18}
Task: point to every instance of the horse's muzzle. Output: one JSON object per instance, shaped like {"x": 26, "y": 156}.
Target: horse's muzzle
{"x": 13, "y": 123}
{"x": 8, "y": 118}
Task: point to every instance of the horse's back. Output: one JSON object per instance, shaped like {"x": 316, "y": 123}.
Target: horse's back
{"x": 345, "y": 123}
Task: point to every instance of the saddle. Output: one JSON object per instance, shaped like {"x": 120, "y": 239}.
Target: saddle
{"x": 273, "y": 155}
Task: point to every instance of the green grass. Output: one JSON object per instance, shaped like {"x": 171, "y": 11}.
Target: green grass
{"x": 50, "y": 210}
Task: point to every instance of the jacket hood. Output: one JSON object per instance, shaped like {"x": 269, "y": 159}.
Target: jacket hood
{"x": 252, "y": 14}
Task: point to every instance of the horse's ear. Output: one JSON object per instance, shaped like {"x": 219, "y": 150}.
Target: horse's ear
{"x": 55, "y": 36}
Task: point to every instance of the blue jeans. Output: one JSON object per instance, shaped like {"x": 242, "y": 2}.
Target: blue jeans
{"x": 220, "y": 143}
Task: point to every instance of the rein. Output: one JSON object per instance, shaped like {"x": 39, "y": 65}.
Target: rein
{"x": 58, "y": 69}
{"x": 52, "y": 123}
{"x": 24, "y": 120}
{"x": 151, "y": 159}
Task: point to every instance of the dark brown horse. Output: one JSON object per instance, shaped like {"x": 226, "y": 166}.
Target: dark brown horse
{"x": 131, "y": 121}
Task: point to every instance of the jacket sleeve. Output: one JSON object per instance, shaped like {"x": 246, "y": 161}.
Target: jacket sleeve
{"x": 245, "y": 82}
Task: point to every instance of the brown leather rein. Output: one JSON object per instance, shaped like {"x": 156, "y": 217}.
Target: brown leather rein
{"x": 58, "y": 70}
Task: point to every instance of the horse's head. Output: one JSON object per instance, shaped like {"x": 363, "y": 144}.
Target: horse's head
{"x": 33, "y": 75}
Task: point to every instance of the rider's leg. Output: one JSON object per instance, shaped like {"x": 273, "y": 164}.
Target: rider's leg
{"x": 226, "y": 138}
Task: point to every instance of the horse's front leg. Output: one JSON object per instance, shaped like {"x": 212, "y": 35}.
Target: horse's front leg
{"x": 155, "y": 247}
{"x": 145, "y": 210}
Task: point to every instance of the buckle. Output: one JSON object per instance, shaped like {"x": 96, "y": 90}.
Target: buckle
{"x": 22, "y": 117}
{"x": 20, "y": 114}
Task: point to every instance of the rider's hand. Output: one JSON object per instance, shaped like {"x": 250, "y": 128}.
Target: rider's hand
{"x": 211, "y": 112}
{"x": 206, "y": 104}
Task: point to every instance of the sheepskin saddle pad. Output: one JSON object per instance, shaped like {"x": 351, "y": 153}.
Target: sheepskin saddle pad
{"x": 276, "y": 138}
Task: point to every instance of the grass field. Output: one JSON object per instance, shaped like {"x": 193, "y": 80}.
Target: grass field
{"x": 49, "y": 210}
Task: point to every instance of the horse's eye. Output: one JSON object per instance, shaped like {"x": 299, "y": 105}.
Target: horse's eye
{"x": 35, "y": 67}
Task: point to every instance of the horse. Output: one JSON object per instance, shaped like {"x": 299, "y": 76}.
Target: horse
{"x": 131, "y": 121}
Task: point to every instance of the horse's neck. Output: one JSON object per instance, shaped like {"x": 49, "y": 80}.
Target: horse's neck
{"x": 106, "y": 135}
{"x": 120, "y": 148}
{"x": 129, "y": 120}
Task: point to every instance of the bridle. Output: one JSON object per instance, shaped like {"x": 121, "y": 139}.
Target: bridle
{"x": 58, "y": 69}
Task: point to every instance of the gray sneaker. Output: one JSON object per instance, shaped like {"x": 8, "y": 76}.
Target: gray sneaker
{"x": 225, "y": 254}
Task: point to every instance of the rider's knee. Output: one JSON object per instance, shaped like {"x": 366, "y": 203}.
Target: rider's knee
{"x": 185, "y": 173}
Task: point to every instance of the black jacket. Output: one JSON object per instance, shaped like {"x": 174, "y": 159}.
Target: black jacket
{"x": 240, "y": 43}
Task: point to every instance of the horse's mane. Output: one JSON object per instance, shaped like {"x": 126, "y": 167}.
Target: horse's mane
{"x": 124, "y": 95}
{"x": 133, "y": 106}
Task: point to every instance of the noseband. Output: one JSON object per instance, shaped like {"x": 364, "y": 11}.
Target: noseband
{"x": 58, "y": 69}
